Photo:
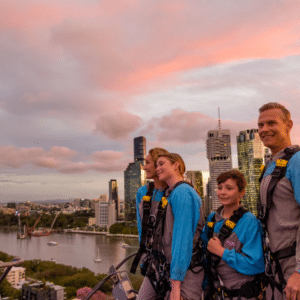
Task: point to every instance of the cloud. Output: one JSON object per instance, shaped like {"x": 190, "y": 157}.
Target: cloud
{"x": 117, "y": 125}
{"x": 61, "y": 159}
{"x": 189, "y": 127}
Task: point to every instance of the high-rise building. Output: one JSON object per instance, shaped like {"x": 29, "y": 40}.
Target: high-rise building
{"x": 197, "y": 181}
{"x": 139, "y": 145}
{"x": 105, "y": 214}
{"x": 251, "y": 153}
{"x": 134, "y": 178}
{"x": 113, "y": 195}
{"x": 218, "y": 149}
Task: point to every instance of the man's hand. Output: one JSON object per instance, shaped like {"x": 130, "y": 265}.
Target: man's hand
{"x": 292, "y": 289}
{"x": 214, "y": 246}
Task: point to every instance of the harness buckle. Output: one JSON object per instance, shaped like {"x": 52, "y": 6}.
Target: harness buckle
{"x": 152, "y": 220}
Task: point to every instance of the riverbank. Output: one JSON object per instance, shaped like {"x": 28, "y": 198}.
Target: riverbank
{"x": 100, "y": 233}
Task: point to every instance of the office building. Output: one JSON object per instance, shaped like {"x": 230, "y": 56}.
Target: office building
{"x": 251, "y": 152}
{"x": 218, "y": 149}
{"x": 139, "y": 145}
{"x": 196, "y": 179}
{"x": 105, "y": 214}
{"x": 134, "y": 178}
{"x": 113, "y": 195}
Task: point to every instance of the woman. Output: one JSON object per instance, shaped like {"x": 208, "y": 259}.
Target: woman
{"x": 234, "y": 238}
{"x": 159, "y": 186}
{"x": 171, "y": 246}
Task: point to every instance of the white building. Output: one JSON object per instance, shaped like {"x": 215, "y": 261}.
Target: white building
{"x": 105, "y": 214}
{"x": 15, "y": 275}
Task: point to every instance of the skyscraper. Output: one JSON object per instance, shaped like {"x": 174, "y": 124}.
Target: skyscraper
{"x": 251, "y": 153}
{"x": 218, "y": 149}
{"x": 113, "y": 194}
{"x": 196, "y": 179}
{"x": 134, "y": 178}
{"x": 139, "y": 147}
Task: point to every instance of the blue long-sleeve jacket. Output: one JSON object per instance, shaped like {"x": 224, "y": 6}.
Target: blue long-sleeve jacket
{"x": 181, "y": 222}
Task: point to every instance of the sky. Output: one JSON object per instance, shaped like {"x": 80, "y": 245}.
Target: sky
{"x": 80, "y": 79}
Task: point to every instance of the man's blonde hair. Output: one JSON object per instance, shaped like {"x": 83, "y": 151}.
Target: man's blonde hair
{"x": 271, "y": 105}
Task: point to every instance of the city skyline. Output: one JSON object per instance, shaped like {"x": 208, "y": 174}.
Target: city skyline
{"x": 81, "y": 79}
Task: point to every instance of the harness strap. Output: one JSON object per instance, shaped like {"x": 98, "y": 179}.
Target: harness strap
{"x": 285, "y": 253}
{"x": 225, "y": 231}
{"x": 146, "y": 214}
{"x": 248, "y": 290}
{"x": 277, "y": 174}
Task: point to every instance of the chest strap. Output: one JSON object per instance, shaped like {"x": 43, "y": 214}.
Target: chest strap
{"x": 146, "y": 214}
{"x": 277, "y": 174}
{"x": 225, "y": 231}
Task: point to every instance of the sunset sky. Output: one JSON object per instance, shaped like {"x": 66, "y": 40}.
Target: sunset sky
{"x": 80, "y": 79}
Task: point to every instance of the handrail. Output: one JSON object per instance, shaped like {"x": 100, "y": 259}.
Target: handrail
{"x": 98, "y": 286}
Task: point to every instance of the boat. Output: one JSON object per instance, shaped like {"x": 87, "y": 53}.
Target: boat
{"x": 125, "y": 246}
{"x": 98, "y": 259}
{"x": 40, "y": 233}
{"x": 52, "y": 243}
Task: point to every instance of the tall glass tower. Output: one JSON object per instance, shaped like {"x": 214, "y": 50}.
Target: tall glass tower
{"x": 218, "y": 150}
{"x": 113, "y": 195}
{"x": 251, "y": 153}
{"x": 134, "y": 178}
{"x": 139, "y": 147}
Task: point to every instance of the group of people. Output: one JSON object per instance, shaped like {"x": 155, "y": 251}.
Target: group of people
{"x": 233, "y": 254}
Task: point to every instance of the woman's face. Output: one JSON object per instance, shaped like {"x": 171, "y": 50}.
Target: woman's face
{"x": 228, "y": 193}
{"x": 165, "y": 169}
{"x": 149, "y": 167}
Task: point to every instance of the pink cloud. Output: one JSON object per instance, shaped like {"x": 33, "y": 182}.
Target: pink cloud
{"x": 189, "y": 127}
{"x": 61, "y": 159}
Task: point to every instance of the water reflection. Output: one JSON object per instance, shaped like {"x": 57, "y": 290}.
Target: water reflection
{"x": 73, "y": 249}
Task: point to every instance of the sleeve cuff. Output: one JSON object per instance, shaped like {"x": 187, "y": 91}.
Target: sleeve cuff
{"x": 225, "y": 254}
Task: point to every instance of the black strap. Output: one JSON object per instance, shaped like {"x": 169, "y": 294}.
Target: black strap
{"x": 285, "y": 253}
{"x": 228, "y": 226}
{"x": 146, "y": 214}
{"x": 248, "y": 290}
{"x": 277, "y": 174}
{"x": 225, "y": 231}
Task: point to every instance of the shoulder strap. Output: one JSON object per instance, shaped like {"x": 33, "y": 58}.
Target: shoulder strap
{"x": 277, "y": 174}
{"x": 230, "y": 224}
{"x": 146, "y": 214}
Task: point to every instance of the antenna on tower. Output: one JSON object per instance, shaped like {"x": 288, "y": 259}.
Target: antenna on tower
{"x": 219, "y": 120}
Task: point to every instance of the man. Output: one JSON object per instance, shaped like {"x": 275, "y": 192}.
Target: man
{"x": 283, "y": 214}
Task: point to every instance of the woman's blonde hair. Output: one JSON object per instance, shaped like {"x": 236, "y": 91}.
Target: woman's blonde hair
{"x": 174, "y": 157}
{"x": 155, "y": 153}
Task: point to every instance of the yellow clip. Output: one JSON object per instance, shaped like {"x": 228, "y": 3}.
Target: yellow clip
{"x": 262, "y": 167}
{"x": 281, "y": 163}
{"x": 230, "y": 224}
{"x": 210, "y": 224}
{"x": 146, "y": 198}
{"x": 164, "y": 202}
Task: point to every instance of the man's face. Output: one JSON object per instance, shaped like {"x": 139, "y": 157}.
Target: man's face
{"x": 273, "y": 130}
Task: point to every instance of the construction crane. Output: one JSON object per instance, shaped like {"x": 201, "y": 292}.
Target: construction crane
{"x": 54, "y": 221}
{"x": 31, "y": 230}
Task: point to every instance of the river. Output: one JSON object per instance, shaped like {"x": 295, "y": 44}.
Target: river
{"x": 73, "y": 249}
